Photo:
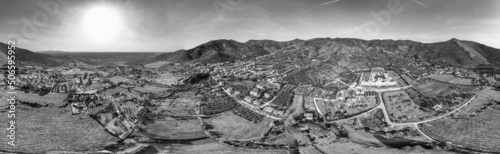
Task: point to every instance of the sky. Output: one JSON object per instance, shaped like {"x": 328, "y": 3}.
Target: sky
{"x": 170, "y": 25}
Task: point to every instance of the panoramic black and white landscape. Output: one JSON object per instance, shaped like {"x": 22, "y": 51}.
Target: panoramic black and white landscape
{"x": 250, "y": 76}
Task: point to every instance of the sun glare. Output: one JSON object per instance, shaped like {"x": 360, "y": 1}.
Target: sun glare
{"x": 101, "y": 23}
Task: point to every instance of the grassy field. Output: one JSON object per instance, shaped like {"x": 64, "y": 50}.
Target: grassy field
{"x": 353, "y": 148}
{"x": 167, "y": 79}
{"x": 48, "y": 129}
{"x": 431, "y": 87}
{"x": 176, "y": 129}
{"x": 234, "y": 127}
{"x": 407, "y": 79}
{"x": 345, "y": 108}
{"x": 297, "y": 106}
{"x": 485, "y": 97}
{"x": 479, "y": 132}
{"x": 178, "y": 107}
{"x": 110, "y": 92}
{"x": 283, "y": 138}
{"x": 210, "y": 148}
{"x": 148, "y": 88}
{"x": 401, "y": 107}
{"x": 54, "y": 99}
{"x": 451, "y": 79}
{"x": 473, "y": 127}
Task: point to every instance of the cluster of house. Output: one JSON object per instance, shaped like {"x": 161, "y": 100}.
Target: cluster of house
{"x": 256, "y": 97}
{"x": 247, "y": 71}
{"x": 273, "y": 111}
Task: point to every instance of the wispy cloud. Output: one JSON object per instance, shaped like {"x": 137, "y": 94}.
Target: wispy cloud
{"x": 323, "y": 4}
{"x": 330, "y": 2}
{"x": 419, "y": 3}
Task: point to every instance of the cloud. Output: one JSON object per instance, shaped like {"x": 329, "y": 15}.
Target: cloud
{"x": 419, "y": 3}
{"x": 323, "y": 4}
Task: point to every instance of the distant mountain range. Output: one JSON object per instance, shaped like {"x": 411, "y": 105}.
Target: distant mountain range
{"x": 452, "y": 52}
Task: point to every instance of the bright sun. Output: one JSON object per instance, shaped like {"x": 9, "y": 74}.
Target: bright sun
{"x": 101, "y": 23}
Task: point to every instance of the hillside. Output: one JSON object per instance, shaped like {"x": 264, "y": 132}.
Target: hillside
{"x": 344, "y": 50}
{"x": 214, "y": 51}
{"x": 31, "y": 58}
{"x": 3, "y": 58}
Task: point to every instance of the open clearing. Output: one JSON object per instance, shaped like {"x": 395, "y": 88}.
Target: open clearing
{"x": 212, "y": 148}
{"x": 53, "y": 99}
{"x": 233, "y": 127}
{"x": 353, "y": 148}
{"x": 176, "y": 129}
{"x": 452, "y": 79}
{"x": 49, "y": 128}
{"x": 168, "y": 79}
{"x": 401, "y": 107}
{"x": 431, "y": 87}
{"x": 178, "y": 107}
{"x": 148, "y": 88}
{"x": 473, "y": 127}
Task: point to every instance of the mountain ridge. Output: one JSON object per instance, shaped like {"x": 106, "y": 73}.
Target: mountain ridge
{"x": 457, "y": 52}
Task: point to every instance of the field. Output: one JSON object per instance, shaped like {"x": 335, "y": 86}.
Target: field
{"x": 334, "y": 110}
{"x": 247, "y": 114}
{"x": 353, "y": 148}
{"x": 432, "y": 95}
{"x": 110, "y": 92}
{"x": 231, "y": 126}
{"x": 243, "y": 87}
{"x": 401, "y": 107}
{"x": 375, "y": 122}
{"x": 175, "y": 129}
{"x": 297, "y": 105}
{"x": 284, "y": 98}
{"x": 283, "y": 139}
{"x": 408, "y": 79}
{"x": 157, "y": 64}
{"x": 479, "y": 132}
{"x": 178, "y": 107}
{"x": 487, "y": 95}
{"x": 209, "y": 148}
{"x": 167, "y": 79}
{"x": 54, "y": 99}
{"x": 473, "y": 127}
{"x": 49, "y": 128}
{"x": 451, "y": 79}
{"x": 148, "y": 88}
{"x": 431, "y": 87}
{"x": 218, "y": 106}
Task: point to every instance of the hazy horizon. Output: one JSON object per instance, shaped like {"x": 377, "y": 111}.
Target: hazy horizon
{"x": 167, "y": 26}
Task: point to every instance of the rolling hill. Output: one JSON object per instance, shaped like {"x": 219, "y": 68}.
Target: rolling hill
{"x": 31, "y": 58}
